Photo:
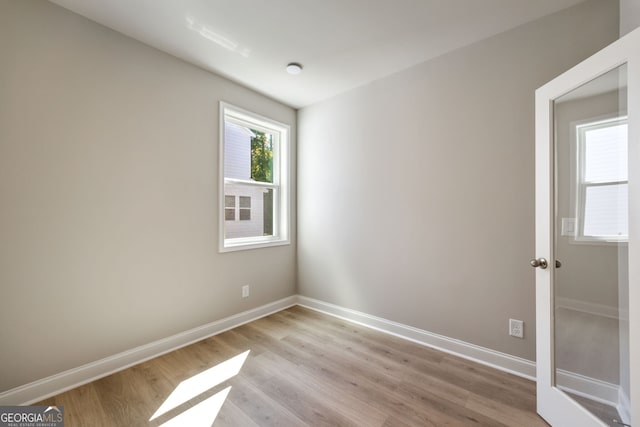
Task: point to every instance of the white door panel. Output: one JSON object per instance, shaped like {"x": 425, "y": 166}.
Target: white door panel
{"x": 587, "y": 297}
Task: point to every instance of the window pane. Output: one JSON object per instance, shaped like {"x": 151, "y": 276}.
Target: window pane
{"x": 245, "y": 214}
{"x": 229, "y": 201}
{"x": 606, "y": 154}
{"x": 606, "y": 211}
{"x": 262, "y": 156}
{"x": 229, "y": 214}
{"x": 248, "y": 153}
{"x": 237, "y": 151}
{"x": 267, "y": 200}
{"x": 245, "y": 202}
{"x": 252, "y": 212}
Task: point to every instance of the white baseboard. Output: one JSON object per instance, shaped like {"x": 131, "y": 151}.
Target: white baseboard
{"x": 591, "y": 388}
{"x": 624, "y": 407}
{"x": 58, "y": 383}
{"x": 502, "y": 361}
{"x": 592, "y": 308}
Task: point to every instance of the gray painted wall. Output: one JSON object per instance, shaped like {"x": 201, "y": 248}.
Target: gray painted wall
{"x": 629, "y": 15}
{"x": 417, "y": 201}
{"x": 108, "y": 195}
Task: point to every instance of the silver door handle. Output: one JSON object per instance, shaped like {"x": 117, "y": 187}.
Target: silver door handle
{"x": 540, "y": 262}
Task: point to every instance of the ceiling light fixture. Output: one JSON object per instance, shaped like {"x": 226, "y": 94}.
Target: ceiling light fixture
{"x": 294, "y": 68}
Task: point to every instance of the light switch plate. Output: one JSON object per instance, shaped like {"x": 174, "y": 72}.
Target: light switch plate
{"x": 568, "y": 227}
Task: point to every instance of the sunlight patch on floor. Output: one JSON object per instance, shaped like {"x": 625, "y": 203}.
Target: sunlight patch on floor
{"x": 200, "y": 383}
{"x": 201, "y": 415}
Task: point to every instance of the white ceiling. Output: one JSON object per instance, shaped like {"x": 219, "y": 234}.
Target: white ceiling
{"x": 342, "y": 44}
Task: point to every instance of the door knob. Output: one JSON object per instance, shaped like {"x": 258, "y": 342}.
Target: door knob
{"x": 540, "y": 262}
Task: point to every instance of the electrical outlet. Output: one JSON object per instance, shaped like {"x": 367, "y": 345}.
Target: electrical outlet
{"x": 516, "y": 328}
{"x": 245, "y": 291}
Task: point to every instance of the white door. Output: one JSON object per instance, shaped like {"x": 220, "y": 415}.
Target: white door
{"x": 588, "y": 241}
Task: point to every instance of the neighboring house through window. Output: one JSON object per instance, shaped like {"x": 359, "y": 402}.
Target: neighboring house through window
{"x": 255, "y": 176}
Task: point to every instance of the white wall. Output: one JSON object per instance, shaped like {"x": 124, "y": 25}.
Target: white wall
{"x": 629, "y": 15}
{"x": 108, "y": 195}
{"x": 417, "y": 191}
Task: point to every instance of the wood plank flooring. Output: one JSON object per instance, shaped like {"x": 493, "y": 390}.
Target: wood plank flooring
{"x": 304, "y": 368}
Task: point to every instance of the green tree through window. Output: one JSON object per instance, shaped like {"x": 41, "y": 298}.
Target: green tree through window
{"x": 261, "y": 157}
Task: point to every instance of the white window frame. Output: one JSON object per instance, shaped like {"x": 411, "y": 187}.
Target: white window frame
{"x": 579, "y": 186}
{"x": 280, "y": 185}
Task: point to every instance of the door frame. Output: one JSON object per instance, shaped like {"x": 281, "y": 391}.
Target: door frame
{"x": 552, "y": 404}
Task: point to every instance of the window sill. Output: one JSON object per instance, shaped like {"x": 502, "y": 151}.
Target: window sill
{"x": 233, "y": 245}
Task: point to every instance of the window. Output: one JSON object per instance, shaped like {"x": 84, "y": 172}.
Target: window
{"x": 602, "y": 178}
{"x": 245, "y": 208}
{"x": 254, "y": 169}
{"x": 229, "y": 208}
{"x": 233, "y": 210}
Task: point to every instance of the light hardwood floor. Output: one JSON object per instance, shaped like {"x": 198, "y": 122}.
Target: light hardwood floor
{"x": 305, "y": 368}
